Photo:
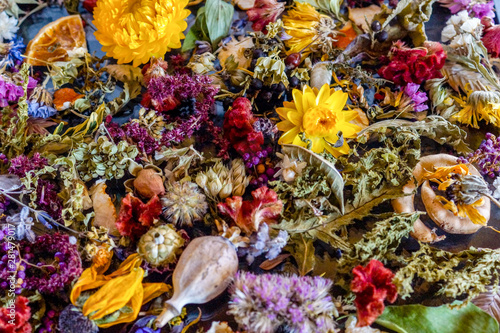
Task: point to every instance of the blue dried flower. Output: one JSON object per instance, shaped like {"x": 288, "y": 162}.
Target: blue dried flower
{"x": 35, "y": 110}
{"x": 261, "y": 242}
{"x": 14, "y": 53}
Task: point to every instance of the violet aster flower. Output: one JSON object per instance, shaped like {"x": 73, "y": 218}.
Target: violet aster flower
{"x": 418, "y": 97}
{"x": 455, "y": 5}
{"x": 483, "y": 9}
{"x": 263, "y": 303}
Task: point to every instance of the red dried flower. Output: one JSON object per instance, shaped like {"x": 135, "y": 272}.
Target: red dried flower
{"x": 14, "y": 318}
{"x": 136, "y": 217}
{"x": 405, "y": 65}
{"x": 264, "y": 12}
{"x": 491, "y": 37}
{"x": 89, "y": 5}
{"x": 238, "y": 127}
{"x": 249, "y": 215}
{"x": 372, "y": 285}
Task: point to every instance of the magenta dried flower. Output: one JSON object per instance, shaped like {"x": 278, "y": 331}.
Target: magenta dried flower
{"x": 141, "y": 138}
{"x": 22, "y": 164}
{"x": 263, "y": 303}
{"x": 418, "y": 97}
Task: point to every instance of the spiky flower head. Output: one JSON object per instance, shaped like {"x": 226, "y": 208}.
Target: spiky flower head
{"x": 136, "y": 30}
{"x": 262, "y": 303}
{"x": 183, "y": 203}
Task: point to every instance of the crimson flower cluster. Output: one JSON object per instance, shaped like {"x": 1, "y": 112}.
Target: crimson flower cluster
{"x": 20, "y": 323}
{"x": 135, "y": 217}
{"x": 249, "y": 215}
{"x": 405, "y": 65}
{"x": 372, "y": 285}
{"x": 239, "y": 130}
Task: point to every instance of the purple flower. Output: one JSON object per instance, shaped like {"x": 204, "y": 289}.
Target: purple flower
{"x": 141, "y": 137}
{"x": 458, "y": 5}
{"x": 484, "y": 9}
{"x": 22, "y": 164}
{"x": 262, "y": 303}
{"x": 418, "y": 97}
{"x": 9, "y": 92}
{"x": 486, "y": 157}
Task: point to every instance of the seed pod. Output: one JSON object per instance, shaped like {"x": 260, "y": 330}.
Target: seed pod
{"x": 320, "y": 74}
{"x": 205, "y": 269}
{"x": 149, "y": 183}
{"x": 160, "y": 246}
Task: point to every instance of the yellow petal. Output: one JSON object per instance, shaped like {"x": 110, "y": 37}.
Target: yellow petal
{"x": 297, "y": 98}
{"x": 295, "y": 118}
{"x": 114, "y": 295}
{"x": 285, "y": 125}
{"x": 337, "y": 100}
{"x": 323, "y": 94}
{"x": 289, "y": 137}
{"x": 153, "y": 290}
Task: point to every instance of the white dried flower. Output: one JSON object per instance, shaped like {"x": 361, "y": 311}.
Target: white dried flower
{"x": 183, "y": 204}
{"x": 8, "y": 27}
{"x": 496, "y": 185}
{"x": 289, "y": 168}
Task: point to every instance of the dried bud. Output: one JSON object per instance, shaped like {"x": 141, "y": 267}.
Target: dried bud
{"x": 149, "y": 183}
{"x": 214, "y": 187}
{"x": 226, "y": 191}
{"x": 201, "y": 180}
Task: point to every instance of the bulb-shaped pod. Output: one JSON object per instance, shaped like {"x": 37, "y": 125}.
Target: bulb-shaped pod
{"x": 205, "y": 269}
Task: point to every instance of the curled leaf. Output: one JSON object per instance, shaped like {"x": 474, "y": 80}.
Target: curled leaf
{"x": 332, "y": 175}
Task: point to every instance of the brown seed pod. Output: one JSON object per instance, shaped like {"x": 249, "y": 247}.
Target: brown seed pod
{"x": 444, "y": 218}
{"x": 149, "y": 183}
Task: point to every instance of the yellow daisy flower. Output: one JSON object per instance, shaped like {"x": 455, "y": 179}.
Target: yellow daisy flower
{"x": 319, "y": 116}
{"x": 307, "y": 26}
{"x": 479, "y": 105}
{"x": 136, "y": 30}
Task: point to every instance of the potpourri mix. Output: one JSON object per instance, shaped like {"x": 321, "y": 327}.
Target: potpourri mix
{"x": 251, "y": 166}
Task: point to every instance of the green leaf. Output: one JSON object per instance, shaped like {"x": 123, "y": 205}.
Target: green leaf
{"x": 442, "y": 319}
{"x": 198, "y": 31}
{"x": 219, "y": 15}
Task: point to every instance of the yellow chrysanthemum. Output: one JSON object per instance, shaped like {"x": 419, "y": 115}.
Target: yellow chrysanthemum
{"x": 446, "y": 177}
{"x": 479, "y": 105}
{"x": 308, "y": 27}
{"x": 319, "y": 116}
{"x": 136, "y": 30}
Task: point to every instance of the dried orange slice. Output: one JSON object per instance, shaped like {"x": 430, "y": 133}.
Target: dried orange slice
{"x": 54, "y": 40}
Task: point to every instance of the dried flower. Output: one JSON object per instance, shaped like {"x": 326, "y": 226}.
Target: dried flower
{"x": 262, "y": 303}
{"x": 486, "y": 157}
{"x": 220, "y": 182}
{"x": 72, "y": 320}
{"x": 22, "y": 314}
{"x": 289, "y": 169}
{"x": 249, "y": 215}
{"x": 462, "y": 191}
{"x": 320, "y": 117}
{"x": 12, "y": 52}
{"x": 103, "y": 158}
{"x": 310, "y": 30}
{"x": 36, "y": 110}
{"x": 478, "y": 105}
{"x": 264, "y": 12}
{"x": 22, "y": 223}
{"x": 141, "y": 137}
{"x": 491, "y": 37}
{"x": 271, "y": 69}
{"x": 125, "y": 28}
{"x": 9, "y": 92}
{"x": 8, "y": 27}
{"x": 418, "y": 97}
{"x": 183, "y": 204}
{"x": 261, "y": 242}
{"x": 413, "y": 65}
{"x": 372, "y": 285}
{"x": 238, "y": 127}
{"x": 135, "y": 217}
{"x": 160, "y": 246}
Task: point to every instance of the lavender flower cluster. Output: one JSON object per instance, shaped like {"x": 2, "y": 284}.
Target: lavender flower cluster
{"x": 261, "y": 243}
{"x": 486, "y": 157}
{"x": 263, "y": 303}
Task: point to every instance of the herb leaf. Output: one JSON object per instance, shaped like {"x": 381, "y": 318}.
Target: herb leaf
{"x": 219, "y": 15}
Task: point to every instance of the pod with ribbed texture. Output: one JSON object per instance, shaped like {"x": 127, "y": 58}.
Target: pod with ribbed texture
{"x": 205, "y": 269}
